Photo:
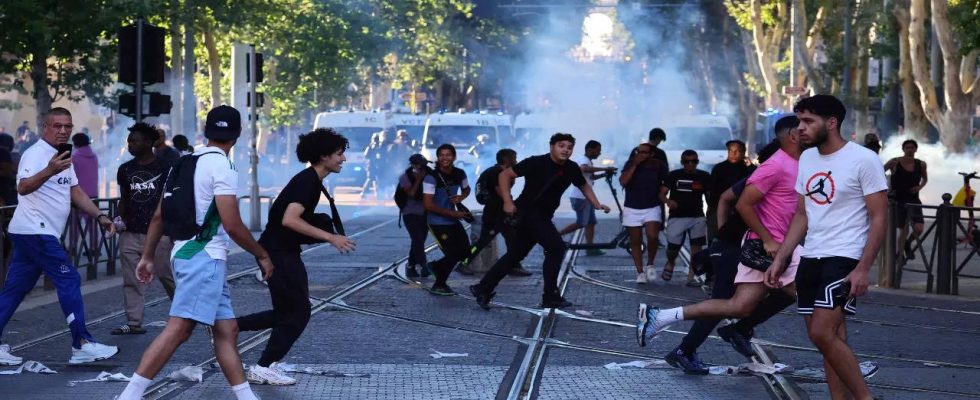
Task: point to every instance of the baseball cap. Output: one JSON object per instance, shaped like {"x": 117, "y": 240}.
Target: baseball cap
{"x": 418, "y": 159}
{"x": 223, "y": 123}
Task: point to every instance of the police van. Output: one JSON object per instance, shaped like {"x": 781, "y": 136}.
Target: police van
{"x": 463, "y": 130}
{"x": 705, "y": 134}
{"x": 357, "y": 127}
{"x": 414, "y": 124}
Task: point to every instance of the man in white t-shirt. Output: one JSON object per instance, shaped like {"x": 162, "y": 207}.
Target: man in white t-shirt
{"x": 842, "y": 212}
{"x": 584, "y": 212}
{"x": 46, "y": 189}
{"x": 199, "y": 267}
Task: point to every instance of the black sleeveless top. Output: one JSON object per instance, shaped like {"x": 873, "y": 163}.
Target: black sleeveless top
{"x": 903, "y": 181}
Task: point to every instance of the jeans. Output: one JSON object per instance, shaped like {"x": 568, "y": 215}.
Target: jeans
{"x": 290, "y": 290}
{"x": 455, "y": 246}
{"x": 534, "y": 228}
{"x": 417, "y": 231}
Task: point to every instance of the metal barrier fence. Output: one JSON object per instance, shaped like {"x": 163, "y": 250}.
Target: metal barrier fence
{"x": 946, "y": 230}
{"x": 82, "y": 237}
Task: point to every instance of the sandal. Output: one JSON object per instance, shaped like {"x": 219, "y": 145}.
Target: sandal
{"x": 128, "y": 330}
{"x": 667, "y": 274}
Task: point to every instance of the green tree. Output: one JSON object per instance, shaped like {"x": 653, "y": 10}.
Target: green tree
{"x": 67, "y": 48}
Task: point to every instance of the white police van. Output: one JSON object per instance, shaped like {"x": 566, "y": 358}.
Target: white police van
{"x": 705, "y": 134}
{"x": 414, "y": 124}
{"x": 461, "y": 130}
{"x": 357, "y": 127}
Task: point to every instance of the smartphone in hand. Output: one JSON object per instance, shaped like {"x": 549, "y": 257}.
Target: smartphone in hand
{"x": 65, "y": 147}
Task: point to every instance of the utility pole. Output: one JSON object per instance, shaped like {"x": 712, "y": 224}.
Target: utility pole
{"x": 253, "y": 116}
{"x": 846, "y": 80}
{"x": 139, "y": 69}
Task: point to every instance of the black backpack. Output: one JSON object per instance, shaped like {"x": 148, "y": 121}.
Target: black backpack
{"x": 178, "y": 209}
{"x": 484, "y": 189}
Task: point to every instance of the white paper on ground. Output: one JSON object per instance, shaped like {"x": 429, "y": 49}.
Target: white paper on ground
{"x": 30, "y": 366}
{"x": 159, "y": 324}
{"x": 584, "y": 313}
{"x": 749, "y": 368}
{"x": 635, "y": 364}
{"x": 190, "y": 373}
{"x": 438, "y": 354}
{"x": 103, "y": 377}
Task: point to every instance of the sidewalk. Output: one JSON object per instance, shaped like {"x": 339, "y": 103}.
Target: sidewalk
{"x": 377, "y": 338}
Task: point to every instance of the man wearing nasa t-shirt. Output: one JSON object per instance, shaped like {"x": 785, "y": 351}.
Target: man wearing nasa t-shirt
{"x": 842, "y": 211}
{"x": 46, "y": 189}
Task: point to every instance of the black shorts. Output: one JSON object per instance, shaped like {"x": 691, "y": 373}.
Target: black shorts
{"x": 913, "y": 212}
{"x": 820, "y": 283}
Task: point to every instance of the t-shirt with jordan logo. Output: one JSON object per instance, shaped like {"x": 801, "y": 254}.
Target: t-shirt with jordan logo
{"x": 833, "y": 188}
{"x": 142, "y": 185}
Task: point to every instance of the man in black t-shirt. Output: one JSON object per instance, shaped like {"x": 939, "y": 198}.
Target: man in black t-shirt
{"x": 493, "y": 211}
{"x": 545, "y": 179}
{"x": 723, "y": 175}
{"x": 288, "y": 226}
{"x": 683, "y": 192}
{"x": 657, "y": 136}
{"x": 141, "y": 182}
{"x": 166, "y": 154}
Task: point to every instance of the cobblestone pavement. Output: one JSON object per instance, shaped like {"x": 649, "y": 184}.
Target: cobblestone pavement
{"x": 374, "y": 336}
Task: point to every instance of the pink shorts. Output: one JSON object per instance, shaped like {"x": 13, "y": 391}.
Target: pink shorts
{"x": 749, "y": 275}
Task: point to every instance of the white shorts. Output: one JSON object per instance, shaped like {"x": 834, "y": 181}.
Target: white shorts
{"x": 636, "y": 217}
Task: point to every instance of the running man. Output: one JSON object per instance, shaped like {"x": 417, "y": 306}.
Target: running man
{"x": 844, "y": 227}
{"x": 443, "y": 191}
{"x": 291, "y": 223}
{"x": 546, "y": 177}
{"x": 766, "y": 205}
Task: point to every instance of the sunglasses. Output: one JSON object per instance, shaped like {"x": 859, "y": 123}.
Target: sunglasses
{"x": 695, "y": 161}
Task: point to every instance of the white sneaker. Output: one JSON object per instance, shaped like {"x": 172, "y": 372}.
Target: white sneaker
{"x": 651, "y": 273}
{"x": 6, "y": 358}
{"x": 260, "y": 375}
{"x": 92, "y": 352}
{"x": 641, "y": 278}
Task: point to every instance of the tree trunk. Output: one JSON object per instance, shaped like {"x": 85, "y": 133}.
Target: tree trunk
{"x": 176, "y": 72}
{"x": 763, "y": 52}
{"x": 915, "y": 123}
{"x": 214, "y": 63}
{"x": 39, "y": 76}
{"x": 860, "y": 100}
{"x": 953, "y": 118}
{"x": 805, "y": 47}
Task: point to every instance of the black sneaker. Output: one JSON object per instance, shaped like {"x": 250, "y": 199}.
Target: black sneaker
{"x": 482, "y": 298}
{"x": 691, "y": 364}
{"x": 410, "y": 272}
{"x": 554, "y": 301}
{"x": 519, "y": 271}
{"x": 739, "y": 342}
{"x": 465, "y": 270}
{"x": 427, "y": 269}
{"x": 442, "y": 290}
{"x": 909, "y": 253}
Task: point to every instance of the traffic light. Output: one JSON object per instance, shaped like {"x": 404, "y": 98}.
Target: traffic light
{"x": 153, "y": 54}
{"x": 154, "y": 104}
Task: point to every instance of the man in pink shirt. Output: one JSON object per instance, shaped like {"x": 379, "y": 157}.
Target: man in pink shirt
{"x": 767, "y": 206}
